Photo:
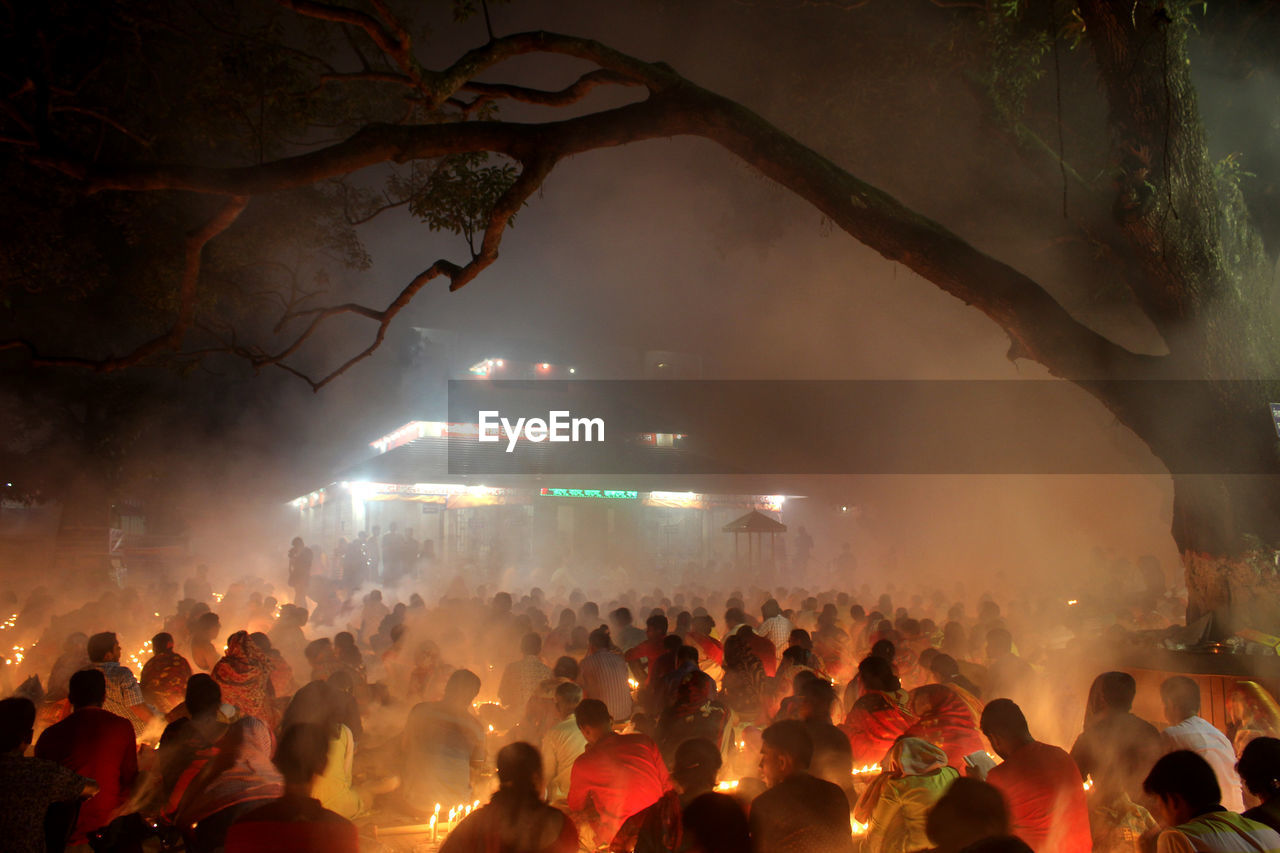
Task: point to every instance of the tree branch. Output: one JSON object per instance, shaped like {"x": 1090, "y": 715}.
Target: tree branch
{"x": 188, "y": 285}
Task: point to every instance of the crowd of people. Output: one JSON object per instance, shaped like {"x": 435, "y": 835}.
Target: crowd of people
{"x": 765, "y": 720}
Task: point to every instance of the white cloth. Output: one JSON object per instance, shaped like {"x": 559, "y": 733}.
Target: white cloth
{"x": 561, "y": 746}
{"x": 1203, "y": 738}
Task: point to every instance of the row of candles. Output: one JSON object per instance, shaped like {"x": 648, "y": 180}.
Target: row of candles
{"x": 437, "y": 827}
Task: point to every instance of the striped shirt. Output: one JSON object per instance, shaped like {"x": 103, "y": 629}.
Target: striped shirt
{"x": 604, "y": 676}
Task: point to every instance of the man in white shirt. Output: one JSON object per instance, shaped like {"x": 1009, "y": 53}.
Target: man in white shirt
{"x": 1188, "y": 730}
{"x": 562, "y": 745}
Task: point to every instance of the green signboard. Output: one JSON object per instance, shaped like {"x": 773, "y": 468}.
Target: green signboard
{"x": 615, "y": 494}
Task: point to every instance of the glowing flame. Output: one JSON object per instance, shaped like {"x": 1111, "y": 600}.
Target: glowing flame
{"x": 1088, "y": 783}
{"x": 857, "y": 827}
{"x": 1071, "y": 602}
{"x": 635, "y": 685}
{"x": 867, "y": 770}
{"x": 727, "y": 785}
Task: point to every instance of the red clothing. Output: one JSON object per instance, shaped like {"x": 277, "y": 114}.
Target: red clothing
{"x": 99, "y": 745}
{"x": 874, "y": 722}
{"x": 646, "y": 653}
{"x": 619, "y": 775}
{"x": 764, "y": 649}
{"x": 947, "y": 716}
{"x": 1045, "y": 793}
{"x": 708, "y": 647}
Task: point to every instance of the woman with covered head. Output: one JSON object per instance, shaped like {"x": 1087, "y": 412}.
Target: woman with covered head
{"x": 914, "y": 775}
{"x": 881, "y": 715}
{"x": 516, "y": 819}
{"x": 244, "y": 674}
{"x": 694, "y": 714}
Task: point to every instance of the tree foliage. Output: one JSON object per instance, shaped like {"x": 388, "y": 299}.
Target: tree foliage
{"x": 196, "y": 159}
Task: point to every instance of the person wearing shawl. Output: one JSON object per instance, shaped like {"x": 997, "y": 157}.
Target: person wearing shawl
{"x": 947, "y": 715}
{"x": 239, "y": 778}
{"x": 244, "y": 674}
{"x": 914, "y": 775}
{"x": 744, "y": 677}
{"x": 690, "y": 817}
{"x": 694, "y": 714}
{"x": 164, "y": 677}
{"x": 881, "y": 715}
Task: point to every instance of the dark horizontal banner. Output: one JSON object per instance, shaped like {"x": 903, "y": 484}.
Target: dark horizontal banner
{"x": 860, "y": 427}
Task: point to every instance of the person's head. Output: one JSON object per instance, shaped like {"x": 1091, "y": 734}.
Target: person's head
{"x": 301, "y": 754}
{"x": 568, "y": 696}
{"x": 261, "y": 641}
{"x": 531, "y": 644}
{"x": 999, "y": 643}
{"x": 884, "y": 649}
{"x": 697, "y": 761}
{"x": 17, "y": 724}
{"x": 621, "y": 617}
{"x": 502, "y": 602}
{"x": 816, "y": 699}
{"x": 1259, "y": 767}
{"x": 877, "y": 674}
{"x": 520, "y": 768}
{"x": 944, "y": 667}
{"x": 1112, "y": 691}
{"x": 104, "y": 647}
{"x": 704, "y": 624}
{"x": 787, "y": 749}
{"x": 318, "y": 651}
{"x": 687, "y": 655}
{"x": 593, "y": 719}
{"x": 733, "y": 617}
{"x": 968, "y": 812}
{"x": 1181, "y": 785}
{"x": 462, "y": 688}
{"x": 599, "y": 639}
{"x": 1181, "y": 698}
{"x": 297, "y": 542}
{"x": 88, "y": 689}
{"x": 770, "y": 609}
{"x": 207, "y": 627}
{"x": 655, "y": 627}
{"x": 566, "y": 667}
{"x": 203, "y": 695}
{"x": 344, "y": 640}
{"x": 799, "y": 637}
{"x": 162, "y": 642}
{"x": 1005, "y": 726}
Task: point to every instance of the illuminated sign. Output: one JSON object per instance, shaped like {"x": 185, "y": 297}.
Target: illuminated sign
{"x": 614, "y": 494}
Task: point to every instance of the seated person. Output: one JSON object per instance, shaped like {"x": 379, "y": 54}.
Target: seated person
{"x": 30, "y": 785}
{"x": 516, "y": 819}
{"x": 295, "y": 821}
{"x": 1187, "y": 802}
{"x": 967, "y": 813}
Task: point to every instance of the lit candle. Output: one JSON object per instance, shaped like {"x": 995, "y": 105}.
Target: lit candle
{"x": 433, "y": 828}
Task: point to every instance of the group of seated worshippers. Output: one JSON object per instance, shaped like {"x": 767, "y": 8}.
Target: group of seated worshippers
{"x": 618, "y": 744}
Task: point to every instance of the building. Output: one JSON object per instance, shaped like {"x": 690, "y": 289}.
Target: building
{"x": 532, "y": 523}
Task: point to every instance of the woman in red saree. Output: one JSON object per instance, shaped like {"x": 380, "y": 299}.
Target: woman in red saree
{"x": 881, "y": 715}
{"x": 947, "y": 716}
{"x": 244, "y": 674}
